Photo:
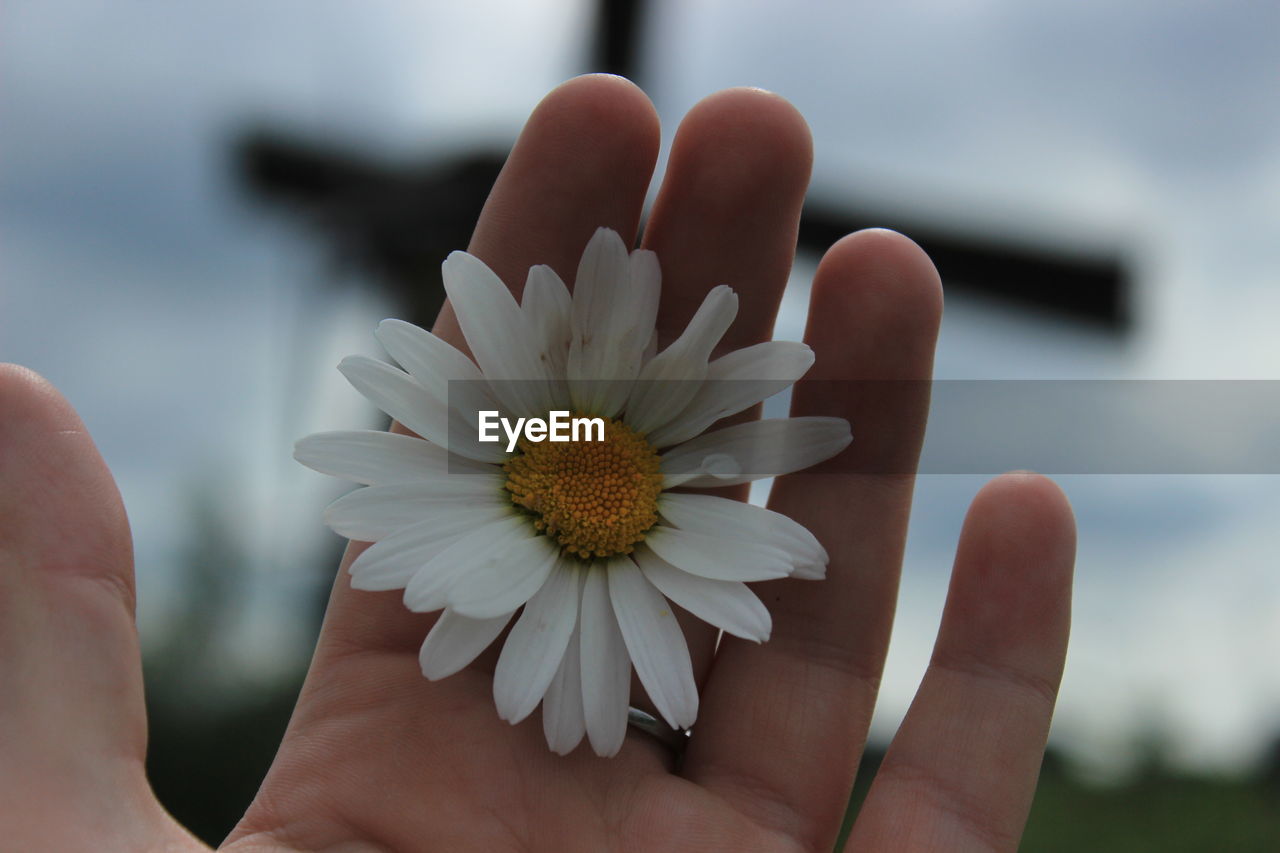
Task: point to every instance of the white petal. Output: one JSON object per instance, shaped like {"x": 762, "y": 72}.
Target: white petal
{"x": 645, "y": 291}
{"x": 395, "y": 559}
{"x": 498, "y": 335}
{"x": 655, "y": 643}
{"x": 810, "y": 571}
{"x": 444, "y": 372}
{"x": 507, "y": 583}
{"x": 375, "y": 457}
{"x": 650, "y": 349}
{"x": 667, "y": 384}
{"x": 728, "y": 605}
{"x": 608, "y": 322}
{"x": 535, "y": 646}
{"x": 713, "y": 515}
{"x": 735, "y": 382}
{"x": 548, "y": 309}
{"x": 765, "y": 448}
{"x": 606, "y": 667}
{"x": 599, "y": 292}
{"x": 714, "y": 467}
{"x": 375, "y": 512}
{"x": 718, "y": 557}
{"x": 488, "y": 314}
{"x": 400, "y": 396}
{"x": 455, "y": 641}
{"x": 563, "y": 722}
{"x": 430, "y": 360}
{"x": 428, "y": 589}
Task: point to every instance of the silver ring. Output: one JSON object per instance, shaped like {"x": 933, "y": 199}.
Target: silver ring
{"x": 674, "y": 739}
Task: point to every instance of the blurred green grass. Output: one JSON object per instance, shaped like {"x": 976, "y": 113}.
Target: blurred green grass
{"x": 1157, "y": 809}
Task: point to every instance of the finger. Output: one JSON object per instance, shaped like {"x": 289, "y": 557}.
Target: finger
{"x": 784, "y": 722}
{"x": 727, "y": 213}
{"x": 962, "y": 770}
{"x": 67, "y": 558}
{"x": 72, "y": 721}
{"x": 583, "y": 160}
{"x": 729, "y": 209}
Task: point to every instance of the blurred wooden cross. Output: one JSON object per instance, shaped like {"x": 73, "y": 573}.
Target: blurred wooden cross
{"x": 399, "y": 222}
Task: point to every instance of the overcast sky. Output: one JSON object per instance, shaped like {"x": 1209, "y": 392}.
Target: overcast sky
{"x": 174, "y": 317}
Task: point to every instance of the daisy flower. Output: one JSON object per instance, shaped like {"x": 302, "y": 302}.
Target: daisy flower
{"x": 584, "y": 544}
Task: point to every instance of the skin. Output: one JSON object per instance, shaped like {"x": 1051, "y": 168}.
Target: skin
{"x": 377, "y": 758}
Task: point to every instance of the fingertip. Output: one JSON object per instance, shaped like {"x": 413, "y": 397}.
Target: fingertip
{"x": 60, "y": 504}
{"x": 47, "y": 438}
{"x": 1012, "y": 581}
{"x": 1024, "y": 505}
{"x": 744, "y": 137}
{"x": 875, "y": 307}
{"x": 29, "y": 400}
{"x": 749, "y": 108}
{"x": 600, "y": 111}
{"x": 582, "y": 161}
{"x": 881, "y": 269}
{"x": 610, "y": 85}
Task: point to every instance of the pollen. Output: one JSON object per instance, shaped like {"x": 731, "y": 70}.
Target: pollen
{"x": 596, "y": 498}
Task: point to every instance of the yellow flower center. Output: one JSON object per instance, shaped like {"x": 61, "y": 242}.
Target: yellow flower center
{"x": 596, "y": 498}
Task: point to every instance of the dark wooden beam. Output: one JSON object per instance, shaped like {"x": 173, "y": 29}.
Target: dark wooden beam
{"x": 397, "y": 223}
{"x": 616, "y": 47}
{"x": 400, "y": 222}
{"x": 1089, "y": 288}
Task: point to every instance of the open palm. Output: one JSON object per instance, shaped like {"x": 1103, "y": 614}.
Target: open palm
{"x": 377, "y": 758}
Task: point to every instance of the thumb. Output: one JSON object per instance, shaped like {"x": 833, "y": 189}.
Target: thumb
{"x": 72, "y": 721}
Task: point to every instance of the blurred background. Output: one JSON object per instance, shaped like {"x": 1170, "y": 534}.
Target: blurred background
{"x": 204, "y": 206}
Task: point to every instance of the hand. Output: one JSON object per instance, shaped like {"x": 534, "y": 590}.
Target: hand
{"x": 377, "y": 758}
